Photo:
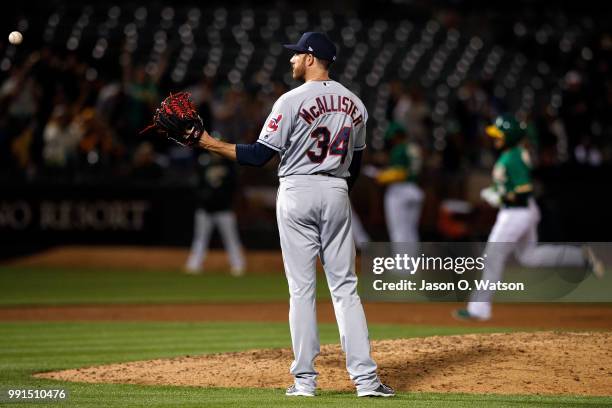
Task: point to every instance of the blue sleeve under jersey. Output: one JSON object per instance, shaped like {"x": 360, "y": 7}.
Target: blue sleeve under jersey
{"x": 255, "y": 154}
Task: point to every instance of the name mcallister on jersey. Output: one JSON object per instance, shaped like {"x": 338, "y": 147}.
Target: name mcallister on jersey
{"x": 331, "y": 103}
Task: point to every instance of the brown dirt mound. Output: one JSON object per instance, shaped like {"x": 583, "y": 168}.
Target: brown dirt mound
{"x": 513, "y": 363}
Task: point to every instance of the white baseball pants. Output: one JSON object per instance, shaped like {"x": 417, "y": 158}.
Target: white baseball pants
{"x": 518, "y": 227}
{"x": 204, "y": 223}
{"x": 314, "y": 219}
{"x": 360, "y": 234}
{"x": 403, "y": 202}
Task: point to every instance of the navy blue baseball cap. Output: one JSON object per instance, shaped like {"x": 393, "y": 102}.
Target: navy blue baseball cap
{"x": 317, "y": 44}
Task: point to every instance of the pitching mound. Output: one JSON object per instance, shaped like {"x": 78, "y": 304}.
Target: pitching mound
{"x": 513, "y": 363}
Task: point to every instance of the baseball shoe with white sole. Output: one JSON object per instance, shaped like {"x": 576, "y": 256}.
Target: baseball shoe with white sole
{"x": 294, "y": 391}
{"x": 464, "y": 314}
{"x": 382, "y": 391}
{"x": 594, "y": 264}
{"x": 193, "y": 270}
{"x": 237, "y": 272}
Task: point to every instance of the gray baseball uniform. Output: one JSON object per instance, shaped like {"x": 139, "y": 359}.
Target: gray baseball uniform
{"x": 315, "y": 128}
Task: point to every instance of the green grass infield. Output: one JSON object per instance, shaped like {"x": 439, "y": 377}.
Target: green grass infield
{"x": 29, "y": 347}
{"x": 57, "y": 286}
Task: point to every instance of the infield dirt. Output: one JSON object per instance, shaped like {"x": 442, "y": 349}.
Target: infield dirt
{"x": 511, "y": 363}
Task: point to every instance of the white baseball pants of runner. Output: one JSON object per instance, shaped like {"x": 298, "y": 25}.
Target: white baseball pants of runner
{"x": 314, "y": 219}
{"x": 403, "y": 202}
{"x": 360, "y": 235}
{"x": 517, "y": 228}
{"x": 204, "y": 223}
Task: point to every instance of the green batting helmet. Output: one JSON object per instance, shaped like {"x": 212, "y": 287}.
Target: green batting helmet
{"x": 507, "y": 128}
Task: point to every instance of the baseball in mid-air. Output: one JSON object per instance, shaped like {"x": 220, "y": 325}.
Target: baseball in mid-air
{"x": 15, "y": 37}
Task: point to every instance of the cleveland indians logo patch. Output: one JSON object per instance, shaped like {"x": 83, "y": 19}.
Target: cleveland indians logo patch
{"x": 273, "y": 124}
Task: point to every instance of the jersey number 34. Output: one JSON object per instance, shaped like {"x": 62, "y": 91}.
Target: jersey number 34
{"x": 338, "y": 146}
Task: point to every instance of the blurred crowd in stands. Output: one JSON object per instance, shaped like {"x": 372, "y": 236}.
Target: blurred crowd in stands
{"x": 63, "y": 120}
{"x": 59, "y": 124}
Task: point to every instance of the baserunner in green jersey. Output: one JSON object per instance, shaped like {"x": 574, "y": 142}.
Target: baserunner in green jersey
{"x": 515, "y": 230}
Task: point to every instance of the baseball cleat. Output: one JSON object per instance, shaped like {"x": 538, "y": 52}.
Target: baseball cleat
{"x": 382, "y": 391}
{"x": 237, "y": 272}
{"x": 293, "y": 391}
{"x": 594, "y": 264}
{"x": 463, "y": 314}
{"x": 193, "y": 270}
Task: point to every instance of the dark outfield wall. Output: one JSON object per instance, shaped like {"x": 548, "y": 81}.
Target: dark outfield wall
{"x": 575, "y": 204}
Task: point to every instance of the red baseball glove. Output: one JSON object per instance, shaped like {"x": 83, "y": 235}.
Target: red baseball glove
{"x": 178, "y": 120}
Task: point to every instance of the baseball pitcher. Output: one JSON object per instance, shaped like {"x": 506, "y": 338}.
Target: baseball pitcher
{"x": 319, "y": 131}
